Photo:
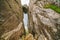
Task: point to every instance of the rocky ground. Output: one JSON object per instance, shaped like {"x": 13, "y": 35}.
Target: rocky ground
{"x": 44, "y": 24}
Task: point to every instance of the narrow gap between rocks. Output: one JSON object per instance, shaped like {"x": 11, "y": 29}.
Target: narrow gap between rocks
{"x": 25, "y": 4}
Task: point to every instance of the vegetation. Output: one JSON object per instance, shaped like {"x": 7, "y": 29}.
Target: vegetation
{"x": 54, "y": 7}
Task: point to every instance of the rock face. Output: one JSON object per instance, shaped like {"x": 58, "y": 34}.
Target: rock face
{"x": 43, "y": 22}
{"x": 55, "y": 2}
{"x": 29, "y": 37}
{"x": 11, "y": 19}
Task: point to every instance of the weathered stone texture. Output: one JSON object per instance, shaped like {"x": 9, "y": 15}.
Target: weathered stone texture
{"x": 11, "y": 16}
{"x": 43, "y": 21}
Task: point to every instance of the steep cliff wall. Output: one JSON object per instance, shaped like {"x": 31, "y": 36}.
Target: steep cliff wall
{"x": 11, "y": 19}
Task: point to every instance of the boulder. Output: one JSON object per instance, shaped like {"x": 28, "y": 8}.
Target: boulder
{"x": 43, "y": 21}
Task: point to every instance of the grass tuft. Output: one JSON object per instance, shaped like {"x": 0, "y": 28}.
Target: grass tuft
{"x": 53, "y": 7}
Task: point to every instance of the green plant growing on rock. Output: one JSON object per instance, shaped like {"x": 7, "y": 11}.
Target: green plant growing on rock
{"x": 53, "y": 7}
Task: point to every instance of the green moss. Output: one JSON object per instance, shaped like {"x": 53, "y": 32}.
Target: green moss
{"x": 53, "y": 7}
{"x": 47, "y": 6}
